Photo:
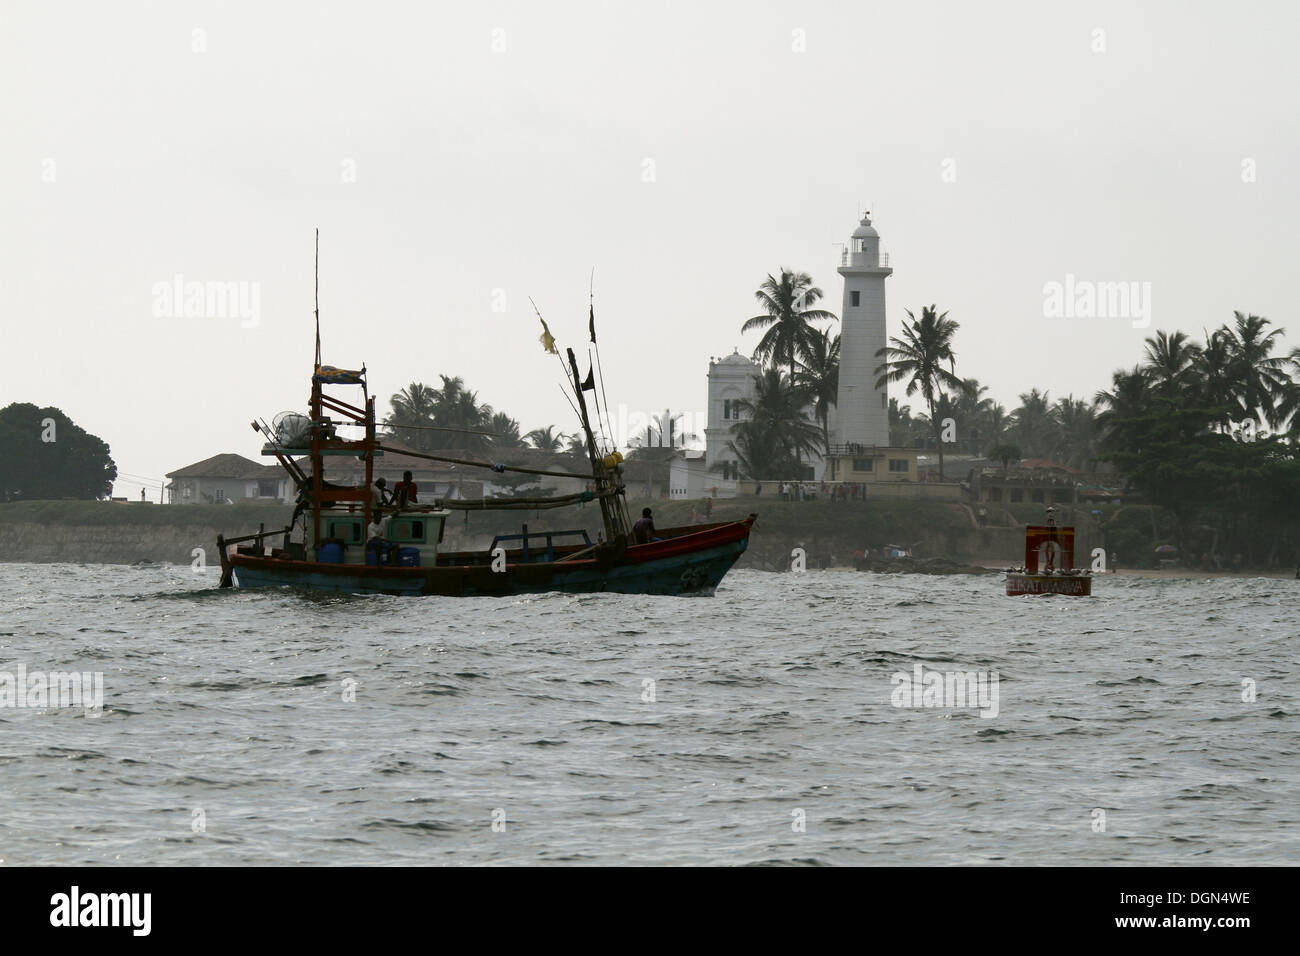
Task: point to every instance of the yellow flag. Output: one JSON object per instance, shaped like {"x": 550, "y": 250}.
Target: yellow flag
{"x": 546, "y": 338}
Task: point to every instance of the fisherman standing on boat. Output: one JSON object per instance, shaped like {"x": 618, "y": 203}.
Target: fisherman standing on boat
{"x": 404, "y": 492}
{"x": 379, "y": 493}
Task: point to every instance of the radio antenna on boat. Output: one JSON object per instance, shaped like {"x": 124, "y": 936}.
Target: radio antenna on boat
{"x": 600, "y": 417}
{"x": 600, "y": 368}
{"x": 317, "y": 365}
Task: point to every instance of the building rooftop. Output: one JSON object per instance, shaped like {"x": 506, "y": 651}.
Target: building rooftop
{"x": 866, "y": 230}
{"x": 735, "y": 358}
{"x": 224, "y": 466}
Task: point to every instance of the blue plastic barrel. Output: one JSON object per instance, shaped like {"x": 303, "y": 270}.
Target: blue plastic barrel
{"x": 408, "y": 557}
{"x": 331, "y": 553}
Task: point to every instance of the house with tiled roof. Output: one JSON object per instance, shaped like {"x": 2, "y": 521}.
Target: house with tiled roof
{"x": 229, "y": 478}
{"x": 445, "y": 480}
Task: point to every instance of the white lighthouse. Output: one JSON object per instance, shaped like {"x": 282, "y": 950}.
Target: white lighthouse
{"x": 862, "y": 409}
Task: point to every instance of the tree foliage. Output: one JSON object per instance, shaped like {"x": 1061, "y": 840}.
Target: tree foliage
{"x": 44, "y": 454}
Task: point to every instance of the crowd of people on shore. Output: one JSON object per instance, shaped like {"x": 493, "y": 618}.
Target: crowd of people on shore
{"x": 812, "y": 490}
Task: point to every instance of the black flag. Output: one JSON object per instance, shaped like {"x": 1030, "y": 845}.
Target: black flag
{"x": 589, "y": 383}
{"x": 591, "y": 312}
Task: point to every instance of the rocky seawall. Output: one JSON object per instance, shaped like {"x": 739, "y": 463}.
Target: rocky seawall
{"x": 829, "y": 533}
{"x": 99, "y": 532}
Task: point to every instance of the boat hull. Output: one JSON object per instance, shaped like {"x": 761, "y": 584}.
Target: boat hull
{"x": 1073, "y": 585}
{"x": 692, "y": 562}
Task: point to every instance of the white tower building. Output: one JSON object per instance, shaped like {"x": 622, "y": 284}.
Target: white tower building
{"x": 731, "y": 379}
{"x": 862, "y": 409}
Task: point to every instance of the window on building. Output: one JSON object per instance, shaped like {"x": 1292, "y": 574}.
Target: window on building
{"x": 1060, "y": 495}
{"x": 726, "y": 409}
{"x": 1037, "y": 495}
{"x": 1017, "y": 494}
{"x": 266, "y": 488}
{"x": 854, "y": 297}
{"x": 898, "y": 464}
{"x": 995, "y": 494}
{"x": 220, "y": 496}
{"x": 864, "y": 464}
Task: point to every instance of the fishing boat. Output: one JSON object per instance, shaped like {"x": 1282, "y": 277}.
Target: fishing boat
{"x": 326, "y": 547}
{"x": 1049, "y": 563}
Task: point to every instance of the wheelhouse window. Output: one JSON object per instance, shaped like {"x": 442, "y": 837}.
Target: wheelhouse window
{"x": 347, "y": 531}
{"x": 408, "y": 530}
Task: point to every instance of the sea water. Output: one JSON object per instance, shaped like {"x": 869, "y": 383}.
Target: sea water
{"x": 791, "y": 718}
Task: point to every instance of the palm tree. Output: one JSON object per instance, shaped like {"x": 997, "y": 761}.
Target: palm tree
{"x": 546, "y": 439}
{"x": 995, "y": 423}
{"x": 944, "y": 409}
{"x": 505, "y": 432}
{"x": 1215, "y": 374}
{"x": 1032, "y": 425}
{"x": 819, "y": 377}
{"x": 919, "y": 357}
{"x": 775, "y": 433}
{"x": 787, "y": 309}
{"x": 1076, "y": 421}
{"x": 1121, "y": 407}
{"x": 666, "y": 427}
{"x": 469, "y": 417}
{"x": 970, "y": 410}
{"x": 753, "y": 451}
{"x": 412, "y": 416}
{"x": 904, "y": 430}
{"x": 1171, "y": 363}
{"x": 1288, "y": 406}
{"x": 1259, "y": 378}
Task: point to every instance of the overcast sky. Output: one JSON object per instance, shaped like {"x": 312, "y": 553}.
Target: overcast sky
{"x": 461, "y": 156}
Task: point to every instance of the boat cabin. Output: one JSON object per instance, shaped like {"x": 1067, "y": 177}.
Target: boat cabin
{"x": 416, "y": 534}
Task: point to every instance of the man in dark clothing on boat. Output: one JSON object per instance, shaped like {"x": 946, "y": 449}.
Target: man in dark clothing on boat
{"x": 404, "y": 491}
{"x": 644, "y": 529}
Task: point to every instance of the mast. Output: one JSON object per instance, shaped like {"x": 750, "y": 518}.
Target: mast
{"x": 609, "y": 512}
{"x": 316, "y": 422}
{"x": 323, "y": 436}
